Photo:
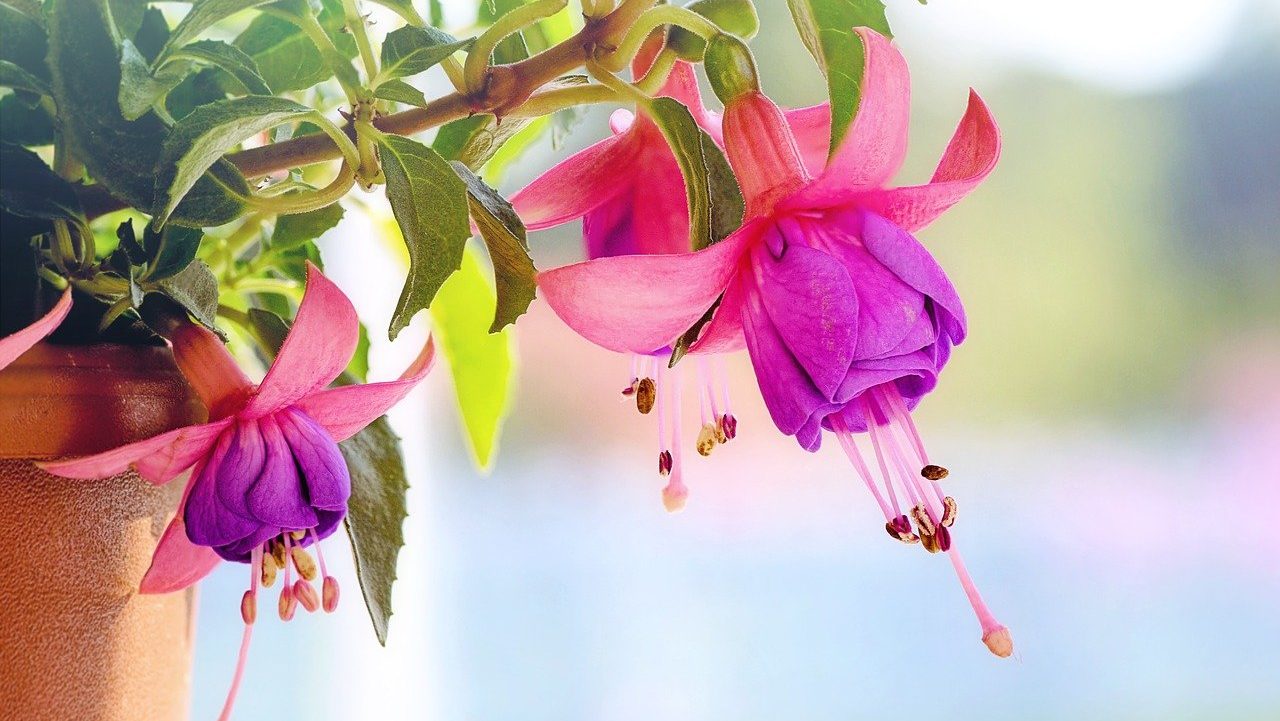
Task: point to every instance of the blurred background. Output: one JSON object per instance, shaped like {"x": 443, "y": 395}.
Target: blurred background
{"x": 1111, "y": 425}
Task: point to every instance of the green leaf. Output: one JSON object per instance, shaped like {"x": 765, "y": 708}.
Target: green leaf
{"x": 29, "y": 188}
{"x": 21, "y": 124}
{"x": 429, "y": 201}
{"x": 826, "y": 27}
{"x": 287, "y": 58}
{"x": 121, "y": 155}
{"x": 375, "y": 515}
{"x": 128, "y": 15}
{"x": 170, "y": 250}
{"x": 195, "y": 289}
{"x": 139, "y": 88}
{"x": 230, "y": 58}
{"x": 203, "y": 15}
{"x": 412, "y": 50}
{"x": 480, "y": 361}
{"x": 13, "y": 76}
{"x": 400, "y": 92}
{"x": 475, "y": 139}
{"x": 200, "y": 139}
{"x": 294, "y": 230}
{"x": 715, "y": 201}
{"x": 358, "y": 366}
{"x": 504, "y": 235}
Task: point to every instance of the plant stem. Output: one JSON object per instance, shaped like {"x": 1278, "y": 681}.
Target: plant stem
{"x": 355, "y": 23}
{"x": 651, "y": 20}
{"x": 477, "y": 64}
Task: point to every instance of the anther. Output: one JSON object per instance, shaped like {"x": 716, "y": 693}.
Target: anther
{"x": 895, "y": 534}
{"x": 646, "y": 394}
{"x": 729, "y": 426}
{"x": 923, "y": 521}
{"x": 269, "y": 569}
{"x": 664, "y": 463}
{"x": 277, "y": 552}
{"x": 944, "y": 539}
{"x": 249, "y": 607}
{"x": 930, "y": 542}
{"x": 306, "y": 595}
{"x": 707, "y": 439}
{"x": 934, "y": 473}
{"x": 631, "y": 389}
{"x": 948, "y": 511}
{"x": 329, "y": 594}
{"x": 297, "y": 535}
{"x": 288, "y": 604}
{"x": 304, "y": 563}
{"x": 902, "y": 525}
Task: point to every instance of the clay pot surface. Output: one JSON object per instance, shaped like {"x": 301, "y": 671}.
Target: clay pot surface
{"x": 76, "y": 639}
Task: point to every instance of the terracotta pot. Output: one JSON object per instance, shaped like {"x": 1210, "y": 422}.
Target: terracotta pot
{"x": 76, "y": 639}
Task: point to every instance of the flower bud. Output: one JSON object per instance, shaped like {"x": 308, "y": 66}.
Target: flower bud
{"x": 737, "y": 17}
{"x": 731, "y": 68}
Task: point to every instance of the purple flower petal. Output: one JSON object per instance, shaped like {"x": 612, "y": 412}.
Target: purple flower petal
{"x": 277, "y": 498}
{"x": 906, "y": 258}
{"x": 241, "y": 466}
{"x": 324, "y": 471}
{"x": 208, "y": 521}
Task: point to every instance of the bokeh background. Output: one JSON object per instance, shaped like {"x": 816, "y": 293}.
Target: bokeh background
{"x": 1112, "y": 427}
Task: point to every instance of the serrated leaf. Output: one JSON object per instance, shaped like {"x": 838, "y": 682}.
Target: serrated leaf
{"x": 429, "y": 201}
{"x": 480, "y": 361}
{"x": 31, "y": 189}
{"x": 195, "y": 289}
{"x": 286, "y": 57}
{"x": 139, "y": 88}
{"x": 474, "y": 140}
{"x": 84, "y": 59}
{"x": 412, "y": 50}
{"x": 204, "y": 14}
{"x": 504, "y": 236}
{"x": 826, "y": 28}
{"x": 400, "y": 92}
{"x": 229, "y": 58}
{"x": 200, "y": 139}
{"x": 12, "y": 76}
{"x": 170, "y": 250}
{"x": 294, "y": 230}
{"x": 714, "y": 198}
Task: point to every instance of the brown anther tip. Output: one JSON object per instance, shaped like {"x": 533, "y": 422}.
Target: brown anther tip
{"x": 934, "y": 473}
{"x": 646, "y": 395}
{"x": 930, "y": 542}
{"x": 277, "y": 552}
{"x": 999, "y": 642}
{"x": 948, "y": 511}
{"x": 706, "y": 439}
{"x": 924, "y": 524}
{"x": 249, "y": 608}
{"x": 895, "y": 534}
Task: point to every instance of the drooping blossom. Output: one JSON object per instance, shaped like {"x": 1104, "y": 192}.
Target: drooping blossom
{"x": 15, "y": 344}
{"x": 628, "y": 191}
{"x": 267, "y": 478}
{"x": 845, "y": 315}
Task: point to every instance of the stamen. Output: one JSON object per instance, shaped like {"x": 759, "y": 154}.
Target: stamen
{"x": 249, "y": 607}
{"x": 930, "y": 542}
{"x": 897, "y": 411}
{"x": 278, "y": 552}
{"x": 934, "y": 472}
{"x": 728, "y": 427}
{"x": 944, "y": 538}
{"x": 306, "y": 595}
{"x": 923, "y": 521}
{"x": 707, "y": 439}
{"x": 304, "y": 563}
{"x": 269, "y": 569}
{"x": 994, "y": 634}
{"x": 288, "y": 604}
{"x": 675, "y": 494}
{"x": 948, "y": 511}
{"x": 646, "y": 392}
{"x": 330, "y": 593}
{"x": 906, "y": 537}
{"x": 869, "y": 413}
{"x": 851, "y": 450}
{"x": 705, "y": 402}
{"x": 664, "y": 463}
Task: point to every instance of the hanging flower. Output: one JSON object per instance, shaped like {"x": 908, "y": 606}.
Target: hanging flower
{"x": 642, "y": 210}
{"x": 15, "y": 344}
{"x": 267, "y": 478}
{"x": 846, "y": 317}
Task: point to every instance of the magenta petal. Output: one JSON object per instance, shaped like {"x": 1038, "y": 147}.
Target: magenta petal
{"x": 969, "y": 159}
{"x": 177, "y": 562}
{"x": 277, "y": 497}
{"x": 640, "y": 303}
{"x": 208, "y": 521}
{"x": 577, "y": 185}
{"x": 343, "y": 411}
{"x": 14, "y": 345}
{"x": 876, "y": 143}
{"x": 811, "y": 127}
{"x": 240, "y": 466}
{"x": 158, "y": 459}
{"x": 324, "y": 470}
{"x": 915, "y": 374}
{"x": 812, "y": 303}
{"x": 902, "y": 254}
{"x": 317, "y": 349}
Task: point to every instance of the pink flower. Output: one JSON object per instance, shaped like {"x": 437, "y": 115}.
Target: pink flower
{"x": 846, "y": 317}
{"x": 628, "y": 191}
{"x": 14, "y": 345}
{"x": 267, "y": 478}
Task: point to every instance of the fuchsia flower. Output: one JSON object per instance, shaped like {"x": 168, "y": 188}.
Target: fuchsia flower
{"x": 267, "y": 479}
{"x": 628, "y": 191}
{"x": 846, "y": 317}
{"x": 15, "y": 344}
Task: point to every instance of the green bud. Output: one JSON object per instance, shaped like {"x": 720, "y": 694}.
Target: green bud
{"x": 731, "y": 68}
{"x": 737, "y": 17}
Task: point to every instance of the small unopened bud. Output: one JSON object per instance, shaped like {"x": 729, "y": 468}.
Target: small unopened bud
{"x": 999, "y": 642}
{"x": 732, "y": 16}
{"x": 731, "y": 68}
{"x": 934, "y": 473}
{"x": 674, "y": 496}
{"x": 305, "y": 564}
{"x": 288, "y": 604}
{"x": 269, "y": 569}
{"x": 729, "y": 425}
{"x": 329, "y": 594}
{"x": 948, "y": 511}
{"x": 707, "y": 439}
{"x": 646, "y": 395}
{"x": 306, "y": 595}
{"x": 249, "y": 607}
{"x": 664, "y": 463}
